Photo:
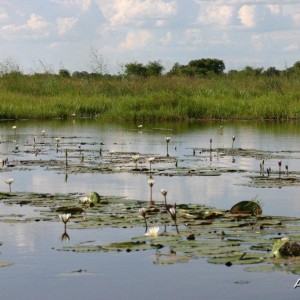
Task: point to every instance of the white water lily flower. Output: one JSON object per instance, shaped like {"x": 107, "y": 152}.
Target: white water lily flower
{"x": 151, "y": 159}
{"x": 151, "y": 181}
{"x": 64, "y": 218}
{"x": 135, "y": 157}
{"x": 143, "y": 212}
{"x": 9, "y": 181}
{"x": 153, "y": 231}
{"x": 84, "y": 200}
{"x": 167, "y": 138}
{"x": 164, "y": 192}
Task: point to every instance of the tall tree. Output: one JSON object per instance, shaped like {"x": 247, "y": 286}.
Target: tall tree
{"x": 135, "y": 69}
{"x": 208, "y": 65}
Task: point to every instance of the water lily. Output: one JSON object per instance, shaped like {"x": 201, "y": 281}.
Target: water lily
{"x": 64, "y": 218}
{"x": 153, "y": 231}
{"x": 167, "y": 138}
{"x": 85, "y": 200}
{"x": 173, "y": 214}
{"x": 279, "y": 168}
{"x": 287, "y": 170}
{"x": 143, "y": 213}
{"x": 151, "y": 182}
{"x": 136, "y": 158}
{"x": 262, "y": 167}
{"x": 233, "y": 140}
{"x": 151, "y": 160}
{"x": 9, "y": 182}
{"x": 164, "y": 192}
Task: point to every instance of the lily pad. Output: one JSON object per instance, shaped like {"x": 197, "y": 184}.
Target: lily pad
{"x": 248, "y": 207}
{"x": 94, "y": 197}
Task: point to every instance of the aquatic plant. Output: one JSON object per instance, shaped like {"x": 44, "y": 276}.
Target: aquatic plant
{"x": 143, "y": 213}
{"x": 153, "y": 231}
{"x": 65, "y": 219}
{"x": 167, "y": 139}
{"x": 151, "y": 160}
{"x": 279, "y": 168}
{"x": 262, "y": 167}
{"x": 85, "y": 200}
{"x": 164, "y": 192}
{"x": 233, "y": 140}
{"x": 9, "y": 182}
{"x": 136, "y": 159}
{"x": 173, "y": 214}
{"x": 221, "y": 130}
{"x": 151, "y": 182}
{"x": 287, "y": 170}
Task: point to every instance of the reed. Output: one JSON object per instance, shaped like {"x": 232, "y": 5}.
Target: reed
{"x": 46, "y": 96}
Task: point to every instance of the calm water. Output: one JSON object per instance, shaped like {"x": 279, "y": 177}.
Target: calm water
{"x": 39, "y": 271}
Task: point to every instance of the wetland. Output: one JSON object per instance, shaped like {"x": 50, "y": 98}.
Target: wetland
{"x": 99, "y": 173}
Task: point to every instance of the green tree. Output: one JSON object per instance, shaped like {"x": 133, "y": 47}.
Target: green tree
{"x": 64, "y": 73}
{"x": 271, "y": 72}
{"x": 135, "y": 69}
{"x": 205, "y": 66}
{"x": 154, "y": 68}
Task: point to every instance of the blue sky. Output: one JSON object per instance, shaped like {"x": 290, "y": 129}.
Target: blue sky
{"x": 57, "y": 34}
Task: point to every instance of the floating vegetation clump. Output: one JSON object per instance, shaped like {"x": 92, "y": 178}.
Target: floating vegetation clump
{"x": 237, "y": 237}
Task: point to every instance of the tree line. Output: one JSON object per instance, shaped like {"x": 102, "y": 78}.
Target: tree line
{"x": 204, "y": 67}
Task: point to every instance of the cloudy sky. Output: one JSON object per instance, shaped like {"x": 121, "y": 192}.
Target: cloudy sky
{"x": 63, "y": 33}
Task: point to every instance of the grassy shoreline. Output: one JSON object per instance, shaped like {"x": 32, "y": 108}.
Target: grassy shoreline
{"x": 46, "y": 96}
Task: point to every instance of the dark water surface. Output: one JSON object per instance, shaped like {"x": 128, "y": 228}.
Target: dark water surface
{"x": 40, "y": 271}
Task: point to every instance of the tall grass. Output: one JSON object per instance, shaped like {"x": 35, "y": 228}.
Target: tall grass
{"x": 164, "y": 98}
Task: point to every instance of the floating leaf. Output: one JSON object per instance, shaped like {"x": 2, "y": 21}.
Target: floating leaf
{"x": 94, "y": 197}
{"x": 249, "y": 207}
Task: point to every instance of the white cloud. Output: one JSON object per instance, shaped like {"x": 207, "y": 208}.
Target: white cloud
{"x": 246, "y": 15}
{"x": 82, "y": 4}
{"x": 136, "y": 39}
{"x": 35, "y": 27}
{"x": 36, "y": 22}
{"x": 220, "y": 15}
{"x": 120, "y": 12}
{"x": 65, "y": 24}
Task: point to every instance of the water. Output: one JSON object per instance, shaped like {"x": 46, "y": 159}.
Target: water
{"x": 39, "y": 271}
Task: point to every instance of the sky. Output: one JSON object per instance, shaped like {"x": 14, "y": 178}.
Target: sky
{"x": 41, "y": 35}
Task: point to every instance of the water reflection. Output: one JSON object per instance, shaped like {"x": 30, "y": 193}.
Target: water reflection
{"x": 189, "y": 140}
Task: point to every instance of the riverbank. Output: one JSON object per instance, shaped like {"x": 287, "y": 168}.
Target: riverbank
{"x": 47, "y": 96}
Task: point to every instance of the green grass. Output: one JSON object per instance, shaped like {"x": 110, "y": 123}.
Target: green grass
{"x": 159, "y": 98}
